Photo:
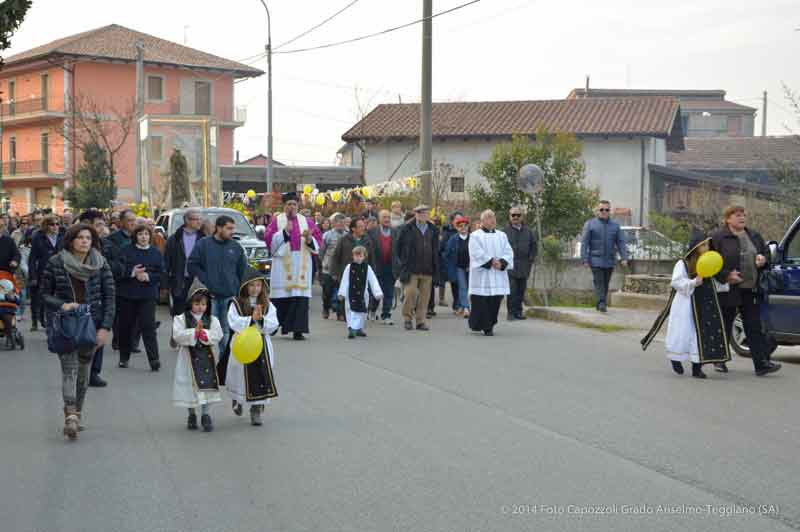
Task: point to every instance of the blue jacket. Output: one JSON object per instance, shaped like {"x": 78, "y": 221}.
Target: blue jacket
{"x": 130, "y": 287}
{"x": 601, "y": 241}
{"x": 220, "y": 265}
{"x": 451, "y": 256}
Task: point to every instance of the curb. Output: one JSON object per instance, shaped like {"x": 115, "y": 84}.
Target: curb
{"x": 551, "y": 314}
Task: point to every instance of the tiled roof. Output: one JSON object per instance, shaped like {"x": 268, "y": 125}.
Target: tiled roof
{"x": 118, "y": 43}
{"x": 690, "y": 100}
{"x": 739, "y": 153}
{"x": 655, "y": 117}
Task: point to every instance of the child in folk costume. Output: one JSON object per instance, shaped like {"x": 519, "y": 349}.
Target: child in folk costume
{"x": 356, "y": 278}
{"x": 695, "y": 329}
{"x": 252, "y": 384}
{"x": 197, "y": 333}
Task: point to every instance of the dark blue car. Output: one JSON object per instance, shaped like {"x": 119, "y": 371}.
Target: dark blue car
{"x": 780, "y": 312}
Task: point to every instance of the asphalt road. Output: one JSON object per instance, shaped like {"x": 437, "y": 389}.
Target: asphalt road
{"x": 408, "y": 431}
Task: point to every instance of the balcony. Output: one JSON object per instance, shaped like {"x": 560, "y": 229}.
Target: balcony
{"x": 225, "y": 116}
{"x": 31, "y": 110}
{"x": 28, "y": 170}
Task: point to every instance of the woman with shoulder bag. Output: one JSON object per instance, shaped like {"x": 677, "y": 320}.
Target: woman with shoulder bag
{"x": 79, "y": 275}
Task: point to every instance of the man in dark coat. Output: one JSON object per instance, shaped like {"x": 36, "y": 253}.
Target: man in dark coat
{"x": 601, "y": 240}
{"x": 417, "y": 264}
{"x": 524, "y": 244}
{"x": 384, "y": 240}
{"x": 176, "y": 260}
{"x": 46, "y": 241}
{"x": 121, "y": 239}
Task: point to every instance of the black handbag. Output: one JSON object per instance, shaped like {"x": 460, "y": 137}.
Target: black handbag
{"x": 71, "y": 330}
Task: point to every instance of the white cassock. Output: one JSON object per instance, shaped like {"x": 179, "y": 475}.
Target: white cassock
{"x": 291, "y": 273}
{"x": 234, "y": 380}
{"x": 356, "y": 320}
{"x": 681, "y": 342}
{"x": 184, "y": 392}
{"x": 483, "y": 247}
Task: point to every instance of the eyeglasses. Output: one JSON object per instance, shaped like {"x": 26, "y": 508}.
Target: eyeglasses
{"x": 515, "y": 215}
{"x": 605, "y": 210}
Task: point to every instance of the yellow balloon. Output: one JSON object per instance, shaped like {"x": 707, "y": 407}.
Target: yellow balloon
{"x": 251, "y": 193}
{"x": 336, "y": 195}
{"x": 709, "y": 264}
{"x": 247, "y": 345}
{"x": 308, "y": 189}
{"x": 320, "y": 200}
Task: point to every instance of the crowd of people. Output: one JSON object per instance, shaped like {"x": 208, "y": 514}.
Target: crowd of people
{"x": 116, "y": 265}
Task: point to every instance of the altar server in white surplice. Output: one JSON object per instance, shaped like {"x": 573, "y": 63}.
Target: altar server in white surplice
{"x": 490, "y": 258}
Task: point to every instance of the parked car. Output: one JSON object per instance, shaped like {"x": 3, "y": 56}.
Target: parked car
{"x": 780, "y": 310}
{"x": 645, "y": 244}
{"x": 247, "y": 236}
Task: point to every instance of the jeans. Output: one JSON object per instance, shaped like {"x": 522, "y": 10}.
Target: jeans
{"x": 601, "y": 278}
{"x": 516, "y": 295}
{"x": 75, "y": 377}
{"x": 219, "y": 309}
{"x": 386, "y": 280}
{"x": 23, "y": 300}
{"x": 330, "y": 292}
{"x": 751, "y": 320}
{"x": 462, "y": 301}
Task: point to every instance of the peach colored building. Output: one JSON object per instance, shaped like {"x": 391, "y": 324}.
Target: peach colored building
{"x": 183, "y": 87}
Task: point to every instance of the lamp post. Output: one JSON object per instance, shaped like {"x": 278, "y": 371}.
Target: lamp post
{"x": 531, "y": 181}
{"x": 269, "y": 99}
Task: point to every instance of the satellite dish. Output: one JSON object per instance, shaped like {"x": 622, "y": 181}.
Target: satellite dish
{"x": 531, "y": 179}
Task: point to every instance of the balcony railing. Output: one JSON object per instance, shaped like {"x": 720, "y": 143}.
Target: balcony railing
{"x": 23, "y": 168}
{"x": 29, "y": 106}
{"x": 222, "y": 113}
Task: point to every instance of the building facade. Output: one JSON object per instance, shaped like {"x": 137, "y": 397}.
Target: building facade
{"x": 620, "y": 140}
{"x": 96, "y": 71}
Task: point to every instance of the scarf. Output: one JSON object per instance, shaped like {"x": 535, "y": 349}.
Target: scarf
{"x": 82, "y": 271}
{"x": 357, "y": 287}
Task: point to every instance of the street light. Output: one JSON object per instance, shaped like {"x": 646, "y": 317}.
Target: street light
{"x": 531, "y": 181}
{"x": 269, "y": 99}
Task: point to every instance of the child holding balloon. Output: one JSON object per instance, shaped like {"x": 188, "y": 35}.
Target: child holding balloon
{"x": 197, "y": 333}
{"x": 249, "y": 378}
{"x": 695, "y": 330}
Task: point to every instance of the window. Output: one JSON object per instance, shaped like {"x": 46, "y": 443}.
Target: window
{"x": 156, "y": 148}
{"x": 792, "y": 253}
{"x": 457, "y": 184}
{"x": 12, "y": 156}
{"x": 11, "y": 96}
{"x": 45, "y": 95}
{"x": 155, "y": 89}
{"x": 45, "y": 151}
{"x": 44, "y": 197}
{"x": 202, "y": 98}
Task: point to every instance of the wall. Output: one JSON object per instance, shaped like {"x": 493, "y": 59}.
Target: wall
{"x": 579, "y": 277}
{"x": 613, "y": 165}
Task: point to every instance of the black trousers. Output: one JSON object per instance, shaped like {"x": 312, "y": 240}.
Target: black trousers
{"x": 601, "y": 278}
{"x": 179, "y": 298}
{"x": 143, "y": 311}
{"x": 37, "y": 305}
{"x": 751, "y": 319}
{"x": 516, "y": 295}
{"x": 330, "y": 288}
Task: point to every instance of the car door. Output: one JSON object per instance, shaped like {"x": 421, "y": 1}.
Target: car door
{"x": 783, "y": 303}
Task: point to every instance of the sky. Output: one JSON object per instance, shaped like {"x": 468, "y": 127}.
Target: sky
{"x": 491, "y": 50}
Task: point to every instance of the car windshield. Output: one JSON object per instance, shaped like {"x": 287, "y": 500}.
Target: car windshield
{"x": 243, "y": 229}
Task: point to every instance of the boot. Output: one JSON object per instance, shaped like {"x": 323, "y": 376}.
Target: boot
{"x": 207, "y": 424}
{"x": 677, "y": 367}
{"x": 255, "y": 415}
{"x": 191, "y": 421}
{"x": 70, "y": 423}
{"x": 237, "y": 407}
{"x": 697, "y": 371}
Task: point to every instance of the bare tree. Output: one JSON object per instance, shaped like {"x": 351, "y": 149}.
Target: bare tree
{"x": 92, "y": 123}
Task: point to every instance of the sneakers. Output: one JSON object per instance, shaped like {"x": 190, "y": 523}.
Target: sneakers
{"x": 361, "y": 333}
{"x": 205, "y": 421}
{"x": 423, "y": 327}
{"x": 255, "y": 415}
{"x": 388, "y": 321}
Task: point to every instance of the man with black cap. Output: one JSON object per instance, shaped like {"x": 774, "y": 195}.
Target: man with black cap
{"x": 417, "y": 263}
{"x": 292, "y": 240}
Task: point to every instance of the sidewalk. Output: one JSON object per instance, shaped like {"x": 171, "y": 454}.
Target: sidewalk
{"x": 616, "y": 319}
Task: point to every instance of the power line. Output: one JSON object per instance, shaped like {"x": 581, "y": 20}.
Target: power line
{"x": 318, "y": 25}
{"x": 376, "y": 34}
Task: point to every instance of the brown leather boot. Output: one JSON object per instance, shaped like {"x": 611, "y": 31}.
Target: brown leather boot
{"x": 70, "y": 423}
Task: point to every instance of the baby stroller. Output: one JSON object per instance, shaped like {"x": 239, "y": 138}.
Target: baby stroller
{"x": 9, "y": 302}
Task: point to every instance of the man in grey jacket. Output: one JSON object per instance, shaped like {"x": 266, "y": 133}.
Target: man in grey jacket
{"x": 602, "y": 239}
{"x": 524, "y": 244}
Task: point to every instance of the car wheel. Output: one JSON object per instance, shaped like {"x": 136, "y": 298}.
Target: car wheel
{"x": 740, "y": 344}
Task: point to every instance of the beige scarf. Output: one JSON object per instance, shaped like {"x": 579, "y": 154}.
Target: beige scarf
{"x": 289, "y": 281}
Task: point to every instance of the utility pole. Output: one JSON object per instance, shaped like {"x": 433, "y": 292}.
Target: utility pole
{"x": 764, "y": 117}
{"x": 139, "y": 113}
{"x": 426, "y": 107}
{"x": 270, "y": 166}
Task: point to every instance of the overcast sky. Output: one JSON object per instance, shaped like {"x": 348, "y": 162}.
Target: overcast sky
{"x": 492, "y": 50}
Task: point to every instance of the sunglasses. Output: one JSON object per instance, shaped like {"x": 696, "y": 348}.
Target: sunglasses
{"x": 605, "y": 210}
{"x": 515, "y": 215}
